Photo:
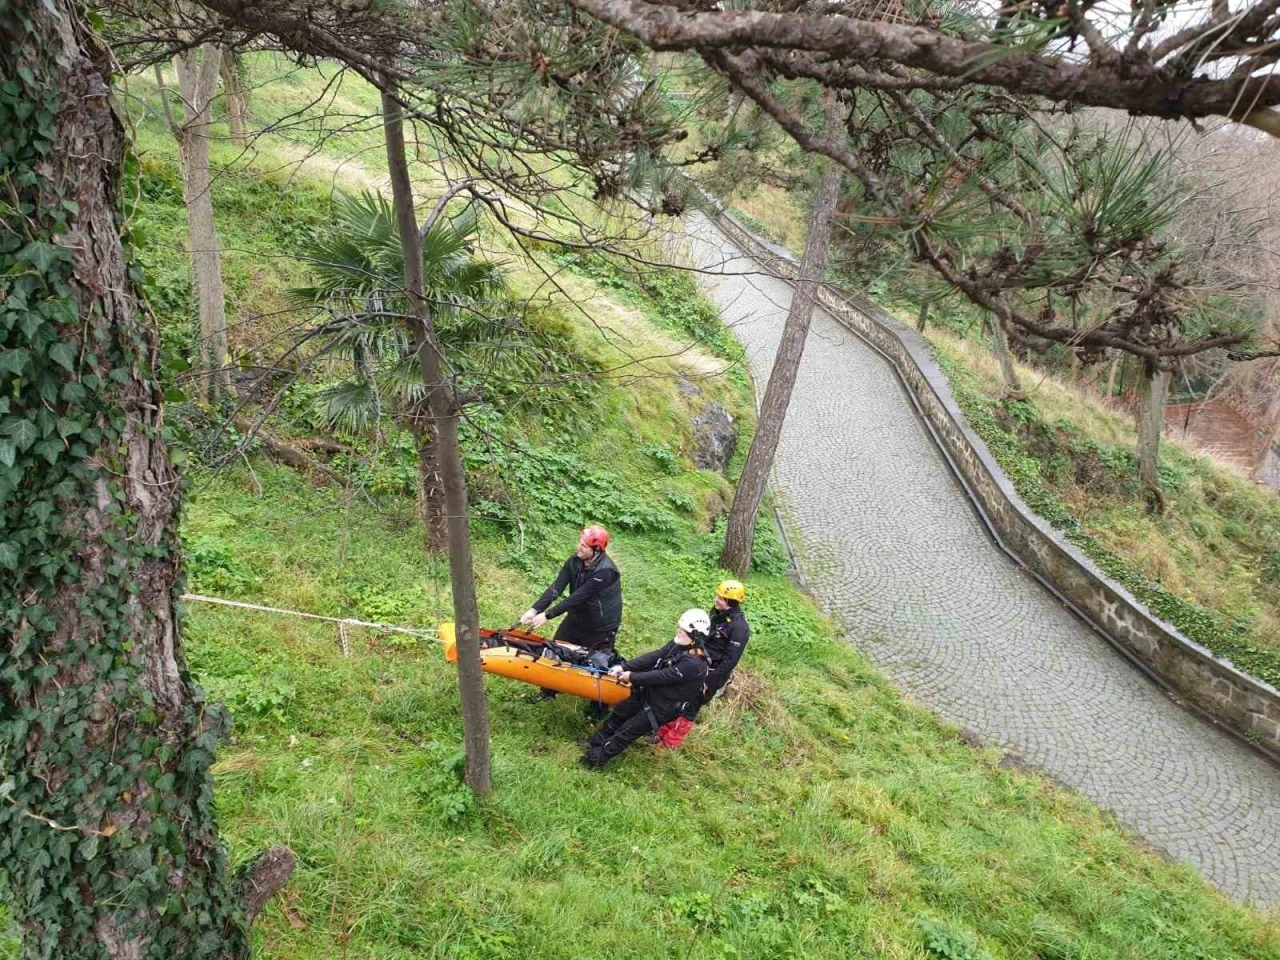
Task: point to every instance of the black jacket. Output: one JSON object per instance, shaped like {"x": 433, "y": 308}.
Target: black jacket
{"x": 669, "y": 679}
{"x": 594, "y": 605}
{"x": 729, "y": 635}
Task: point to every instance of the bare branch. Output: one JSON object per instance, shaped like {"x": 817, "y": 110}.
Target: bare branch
{"x": 1139, "y": 88}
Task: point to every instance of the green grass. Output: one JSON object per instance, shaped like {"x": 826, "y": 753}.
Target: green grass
{"x": 813, "y": 815}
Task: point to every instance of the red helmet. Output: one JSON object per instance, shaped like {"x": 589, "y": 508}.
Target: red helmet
{"x": 596, "y": 537}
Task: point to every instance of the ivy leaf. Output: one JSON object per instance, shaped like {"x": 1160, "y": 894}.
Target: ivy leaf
{"x": 61, "y": 310}
{"x": 63, "y": 354}
{"x": 14, "y": 361}
{"x": 88, "y": 848}
{"x": 43, "y": 255}
{"x": 7, "y": 788}
{"x": 31, "y": 323}
{"x": 51, "y": 450}
{"x": 24, "y": 433}
{"x": 8, "y": 452}
{"x": 8, "y": 556}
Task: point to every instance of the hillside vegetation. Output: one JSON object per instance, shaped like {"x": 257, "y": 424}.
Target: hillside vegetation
{"x": 812, "y": 814}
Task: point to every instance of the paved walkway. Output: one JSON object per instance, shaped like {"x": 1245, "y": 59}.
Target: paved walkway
{"x": 894, "y": 551}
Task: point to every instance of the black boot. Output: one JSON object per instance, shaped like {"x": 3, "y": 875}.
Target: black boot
{"x": 593, "y": 759}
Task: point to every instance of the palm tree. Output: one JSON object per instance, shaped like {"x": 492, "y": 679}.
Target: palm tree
{"x": 358, "y": 269}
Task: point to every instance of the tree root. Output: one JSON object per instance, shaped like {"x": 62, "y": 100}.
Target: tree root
{"x": 261, "y": 878}
{"x": 1155, "y": 498}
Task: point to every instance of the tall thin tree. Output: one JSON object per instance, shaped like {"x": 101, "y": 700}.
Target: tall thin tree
{"x": 442, "y": 402}
{"x": 235, "y": 94}
{"x": 198, "y": 69}
{"x": 741, "y": 527}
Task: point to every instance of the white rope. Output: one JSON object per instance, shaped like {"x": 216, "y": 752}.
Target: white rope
{"x": 341, "y": 621}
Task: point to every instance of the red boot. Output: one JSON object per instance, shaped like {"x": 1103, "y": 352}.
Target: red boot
{"x": 672, "y": 733}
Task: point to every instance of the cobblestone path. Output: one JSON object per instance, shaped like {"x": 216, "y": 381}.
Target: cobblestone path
{"x": 893, "y": 551}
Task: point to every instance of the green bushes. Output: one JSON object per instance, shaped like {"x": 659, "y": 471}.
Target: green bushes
{"x": 545, "y": 485}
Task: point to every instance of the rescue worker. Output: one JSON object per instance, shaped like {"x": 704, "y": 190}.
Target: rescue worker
{"x": 593, "y": 608}
{"x": 725, "y": 645}
{"x": 729, "y": 635}
{"x": 665, "y": 684}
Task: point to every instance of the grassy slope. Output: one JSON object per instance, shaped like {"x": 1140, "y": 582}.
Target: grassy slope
{"x": 814, "y": 814}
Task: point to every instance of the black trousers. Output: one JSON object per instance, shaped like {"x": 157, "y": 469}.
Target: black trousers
{"x": 713, "y": 687}
{"x": 630, "y": 720}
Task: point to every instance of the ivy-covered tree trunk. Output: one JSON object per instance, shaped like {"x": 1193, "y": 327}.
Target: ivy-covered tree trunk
{"x": 442, "y": 401}
{"x": 108, "y": 845}
{"x": 740, "y": 528}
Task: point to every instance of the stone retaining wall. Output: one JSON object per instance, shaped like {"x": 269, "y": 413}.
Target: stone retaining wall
{"x": 1244, "y": 704}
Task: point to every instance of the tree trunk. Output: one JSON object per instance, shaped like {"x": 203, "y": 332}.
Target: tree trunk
{"x": 741, "y": 527}
{"x": 1150, "y": 431}
{"x": 107, "y": 831}
{"x": 1270, "y": 433}
{"x": 1111, "y": 378}
{"x": 923, "y": 319}
{"x": 1008, "y": 371}
{"x": 431, "y": 499}
{"x": 198, "y": 80}
{"x": 442, "y": 401}
{"x": 237, "y": 97}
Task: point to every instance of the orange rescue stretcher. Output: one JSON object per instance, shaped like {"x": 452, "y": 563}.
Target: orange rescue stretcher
{"x": 521, "y": 655}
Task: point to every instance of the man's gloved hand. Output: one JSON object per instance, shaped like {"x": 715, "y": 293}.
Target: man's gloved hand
{"x": 527, "y": 617}
{"x": 616, "y": 670}
{"x": 538, "y": 620}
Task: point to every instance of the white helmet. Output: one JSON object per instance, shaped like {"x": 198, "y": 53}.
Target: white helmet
{"x": 696, "y": 623}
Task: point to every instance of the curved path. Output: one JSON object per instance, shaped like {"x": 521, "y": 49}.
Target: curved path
{"x": 893, "y": 550}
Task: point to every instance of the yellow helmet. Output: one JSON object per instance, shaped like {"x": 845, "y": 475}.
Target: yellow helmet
{"x": 731, "y": 590}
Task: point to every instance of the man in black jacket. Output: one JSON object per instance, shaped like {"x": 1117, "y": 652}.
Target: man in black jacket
{"x": 665, "y": 683}
{"x": 593, "y": 608}
{"x": 729, "y": 635}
